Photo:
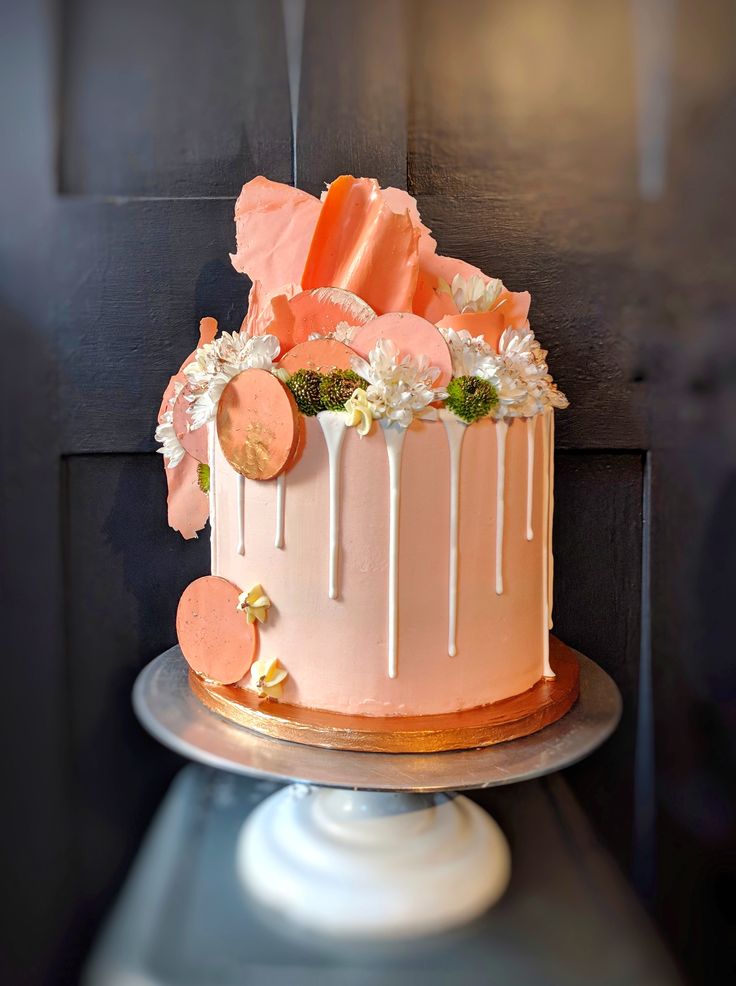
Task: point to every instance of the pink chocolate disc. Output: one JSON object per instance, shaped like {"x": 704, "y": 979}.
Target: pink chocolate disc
{"x": 318, "y": 354}
{"x": 413, "y": 335}
{"x": 215, "y": 637}
{"x": 319, "y": 310}
{"x": 322, "y": 310}
{"x": 257, "y": 424}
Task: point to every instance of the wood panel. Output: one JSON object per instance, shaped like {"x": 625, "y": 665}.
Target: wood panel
{"x": 172, "y": 99}
{"x": 586, "y": 151}
{"x": 583, "y": 151}
{"x": 124, "y": 571}
{"x": 35, "y": 767}
{"x": 686, "y": 312}
{"x": 522, "y": 155}
{"x": 151, "y": 270}
{"x": 101, "y": 294}
{"x": 353, "y": 96}
{"x": 597, "y": 609}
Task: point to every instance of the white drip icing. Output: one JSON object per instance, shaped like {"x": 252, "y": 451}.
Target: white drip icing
{"x": 333, "y": 428}
{"x": 531, "y": 427}
{"x": 550, "y": 513}
{"x": 280, "y": 509}
{"x": 547, "y": 452}
{"x": 241, "y": 514}
{"x": 501, "y": 432}
{"x": 394, "y": 443}
{"x": 212, "y": 447}
{"x": 455, "y": 429}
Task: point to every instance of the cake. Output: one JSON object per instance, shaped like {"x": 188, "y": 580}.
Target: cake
{"x": 374, "y": 451}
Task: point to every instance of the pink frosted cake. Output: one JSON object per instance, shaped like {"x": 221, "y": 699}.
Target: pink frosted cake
{"x": 374, "y": 452}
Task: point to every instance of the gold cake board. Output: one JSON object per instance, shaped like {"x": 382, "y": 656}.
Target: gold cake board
{"x": 520, "y": 715}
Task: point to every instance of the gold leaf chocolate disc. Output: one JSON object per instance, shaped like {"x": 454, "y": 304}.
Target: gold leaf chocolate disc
{"x": 257, "y": 424}
{"x": 323, "y": 355}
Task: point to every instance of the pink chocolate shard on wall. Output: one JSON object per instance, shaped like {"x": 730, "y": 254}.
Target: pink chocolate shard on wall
{"x": 207, "y": 332}
{"x": 362, "y": 245}
{"x": 262, "y": 306}
{"x": 194, "y": 442}
{"x": 188, "y": 506}
{"x": 274, "y": 224}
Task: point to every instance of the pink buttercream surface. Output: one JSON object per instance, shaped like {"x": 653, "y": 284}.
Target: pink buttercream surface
{"x": 335, "y": 651}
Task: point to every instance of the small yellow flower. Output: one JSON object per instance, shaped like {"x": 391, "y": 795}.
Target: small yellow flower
{"x": 360, "y": 415}
{"x": 266, "y": 677}
{"x": 254, "y": 603}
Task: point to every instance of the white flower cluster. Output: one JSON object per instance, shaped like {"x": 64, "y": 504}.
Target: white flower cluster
{"x": 216, "y": 363}
{"x": 521, "y": 377}
{"x": 400, "y": 388}
{"x": 171, "y": 448}
{"x": 472, "y": 294}
{"x": 469, "y": 353}
{"x": 343, "y": 332}
{"x": 518, "y": 370}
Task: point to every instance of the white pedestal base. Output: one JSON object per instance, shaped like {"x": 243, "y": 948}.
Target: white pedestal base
{"x": 370, "y": 864}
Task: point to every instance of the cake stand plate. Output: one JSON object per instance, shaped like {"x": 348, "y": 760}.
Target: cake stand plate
{"x": 367, "y": 844}
{"x": 520, "y": 715}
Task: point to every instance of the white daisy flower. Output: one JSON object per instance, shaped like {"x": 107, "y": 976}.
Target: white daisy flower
{"x": 343, "y": 332}
{"x": 399, "y": 389}
{"x": 520, "y": 375}
{"x": 469, "y": 353}
{"x": 472, "y": 294}
{"x": 171, "y": 448}
{"x": 216, "y": 363}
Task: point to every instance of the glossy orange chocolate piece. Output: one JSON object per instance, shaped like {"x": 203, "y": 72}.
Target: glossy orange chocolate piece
{"x": 362, "y": 245}
{"x": 215, "y": 637}
{"x": 257, "y": 424}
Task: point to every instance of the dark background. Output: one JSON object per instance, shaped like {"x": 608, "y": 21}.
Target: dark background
{"x": 583, "y": 150}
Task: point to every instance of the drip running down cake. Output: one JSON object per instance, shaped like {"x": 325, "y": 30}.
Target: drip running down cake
{"x": 374, "y": 451}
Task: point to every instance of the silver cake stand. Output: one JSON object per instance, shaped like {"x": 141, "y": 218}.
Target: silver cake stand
{"x": 371, "y": 844}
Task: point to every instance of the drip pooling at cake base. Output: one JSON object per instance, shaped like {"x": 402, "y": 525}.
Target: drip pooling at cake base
{"x": 409, "y": 565}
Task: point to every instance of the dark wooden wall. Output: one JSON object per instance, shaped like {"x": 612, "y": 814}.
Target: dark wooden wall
{"x": 584, "y": 151}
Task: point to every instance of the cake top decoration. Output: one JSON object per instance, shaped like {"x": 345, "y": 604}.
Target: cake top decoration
{"x": 351, "y": 311}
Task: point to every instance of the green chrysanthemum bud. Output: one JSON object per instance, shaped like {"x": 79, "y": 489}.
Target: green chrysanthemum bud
{"x": 304, "y": 385}
{"x": 471, "y": 398}
{"x": 338, "y": 387}
{"x": 203, "y": 477}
